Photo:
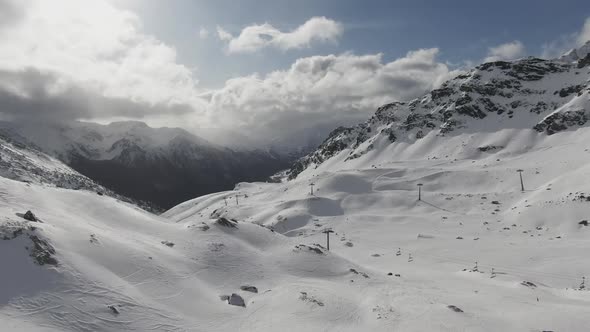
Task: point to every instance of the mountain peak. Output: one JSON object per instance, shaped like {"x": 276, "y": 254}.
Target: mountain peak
{"x": 129, "y": 123}
{"x": 576, "y": 54}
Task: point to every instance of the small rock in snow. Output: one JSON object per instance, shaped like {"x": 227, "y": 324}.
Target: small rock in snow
{"x": 114, "y": 309}
{"x": 249, "y": 289}
{"x": 227, "y": 223}
{"x": 454, "y": 308}
{"x": 528, "y": 284}
{"x": 236, "y": 300}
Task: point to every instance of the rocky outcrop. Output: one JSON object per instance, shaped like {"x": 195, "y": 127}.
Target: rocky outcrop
{"x": 561, "y": 121}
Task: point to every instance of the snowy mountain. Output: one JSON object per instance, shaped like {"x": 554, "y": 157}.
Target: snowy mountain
{"x": 547, "y": 96}
{"x": 122, "y": 155}
{"x": 471, "y": 249}
{"x": 21, "y": 163}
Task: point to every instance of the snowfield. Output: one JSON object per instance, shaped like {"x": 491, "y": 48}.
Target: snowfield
{"x": 121, "y": 268}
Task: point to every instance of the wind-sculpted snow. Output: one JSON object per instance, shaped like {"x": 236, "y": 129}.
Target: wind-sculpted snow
{"x": 546, "y": 95}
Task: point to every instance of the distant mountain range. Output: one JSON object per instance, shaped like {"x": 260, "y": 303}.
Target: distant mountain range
{"x": 163, "y": 166}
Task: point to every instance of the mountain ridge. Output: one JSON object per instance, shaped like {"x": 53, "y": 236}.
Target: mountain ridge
{"x": 544, "y": 95}
{"x": 122, "y": 155}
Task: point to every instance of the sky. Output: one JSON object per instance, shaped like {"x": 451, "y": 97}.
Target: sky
{"x": 257, "y": 72}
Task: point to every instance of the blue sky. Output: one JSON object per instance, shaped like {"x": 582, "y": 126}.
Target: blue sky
{"x": 462, "y": 30}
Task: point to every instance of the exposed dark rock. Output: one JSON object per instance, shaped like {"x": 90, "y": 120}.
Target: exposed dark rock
{"x": 30, "y": 216}
{"x": 454, "y": 308}
{"x": 251, "y": 289}
{"x": 584, "y": 62}
{"x": 561, "y": 121}
{"x": 226, "y": 223}
{"x": 442, "y": 92}
{"x": 305, "y": 297}
{"x": 113, "y": 309}
{"x": 528, "y": 284}
{"x": 42, "y": 252}
{"x": 471, "y": 110}
{"x": 236, "y": 300}
{"x": 168, "y": 243}
{"x": 570, "y": 89}
{"x": 583, "y": 223}
{"x": 93, "y": 239}
{"x": 489, "y": 148}
{"x": 314, "y": 248}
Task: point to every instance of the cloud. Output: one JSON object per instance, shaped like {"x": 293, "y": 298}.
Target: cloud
{"x": 32, "y": 95}
{"x": 223, "y": 35}
{"x": 256, "y": 37}
{"x": 11, "y": 11}
{"x": 508, "y": 51}
{"x": 565, "y": 43}
{"x": 203, "y": 33}
{"x": 67, "y": 60}
{"x": 93, "y": 49}
{"x": 324, "y": 89}
{"x": 584, "y": 34}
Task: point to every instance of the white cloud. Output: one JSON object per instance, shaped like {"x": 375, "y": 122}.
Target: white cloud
{"x": 255, "y": 37}
{"x": 324, "y": 89}
{"x": 203, "y": 33}
{"x": 584, "y": 34}
{"x": 223, "y": 35}
{"x": 508, "y": 51}
{"x": 94, "y": 48}
{"x": 67, "y": 59}
{"x": 565, "y": 43}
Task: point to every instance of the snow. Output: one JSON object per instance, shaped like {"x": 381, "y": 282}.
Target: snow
{"x": 111, "y": 253}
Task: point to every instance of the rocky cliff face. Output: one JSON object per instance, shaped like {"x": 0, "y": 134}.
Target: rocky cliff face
{"x": 548, "y": 96}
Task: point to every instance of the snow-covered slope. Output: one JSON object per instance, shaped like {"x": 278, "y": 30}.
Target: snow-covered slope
{"x": 171, "y": 272}
{"x": 472, "y": 213}
{"x": 122, "y": 155}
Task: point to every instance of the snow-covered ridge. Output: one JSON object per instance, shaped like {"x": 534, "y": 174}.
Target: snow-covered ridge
{"x": 122, "y": 155}
{"x": 545, "y": 95}
{"x": 97, "y": 141}
{"x": 577, "y": 54}
{"x": 22, "y": 163}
